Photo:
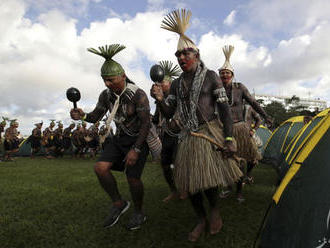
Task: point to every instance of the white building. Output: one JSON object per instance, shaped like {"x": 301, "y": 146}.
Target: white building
{"x": 308, "y": 104}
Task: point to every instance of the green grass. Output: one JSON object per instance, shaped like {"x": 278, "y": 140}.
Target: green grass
{"x": 59, "y": 203}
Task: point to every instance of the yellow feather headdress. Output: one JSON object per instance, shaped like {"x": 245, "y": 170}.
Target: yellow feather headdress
{"x": 178, "y": 21}
{"x": 227, "y": 50}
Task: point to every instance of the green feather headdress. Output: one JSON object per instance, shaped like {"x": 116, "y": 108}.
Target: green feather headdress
{"x": 13, "y": 122}
{"x": 170, "y": 71}
{"x": 52, "y": 121}
{"x": 4, "y": 121}
{"x": 110, "y": 67}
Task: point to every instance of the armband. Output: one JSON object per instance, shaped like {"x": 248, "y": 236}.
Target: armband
{"x": 137, "y": 150}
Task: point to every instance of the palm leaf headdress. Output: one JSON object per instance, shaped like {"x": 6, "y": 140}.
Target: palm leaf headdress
{"x": 4, "y": 121}
{"x": 13, "y": 122}
{"x": 52, "y": 121}
{"x": 171, "y": 72}
{"x": 110, "y": 67}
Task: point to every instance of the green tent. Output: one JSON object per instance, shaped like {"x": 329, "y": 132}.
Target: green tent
{"x": 291, "y": 150}
{"x": 264, "y": 133}
{"x": 300, "y": 214}
{"x": 25, "y": 149}
{"x": 280, "y": 139}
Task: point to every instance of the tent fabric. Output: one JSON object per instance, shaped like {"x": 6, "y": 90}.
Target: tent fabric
{"x": 25, "y": 149}
{"x": 264, "y": 133}
{"x": 291, "y": 151}
{"x": 301, "y": 215}
{"x": 280, "y": 138}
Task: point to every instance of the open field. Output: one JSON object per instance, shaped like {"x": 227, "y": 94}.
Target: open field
{"x": 59, "y": 203}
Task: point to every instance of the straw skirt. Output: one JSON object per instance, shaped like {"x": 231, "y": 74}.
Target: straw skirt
{"x": 199, "y": 166}
{"x": 246, "y": 146}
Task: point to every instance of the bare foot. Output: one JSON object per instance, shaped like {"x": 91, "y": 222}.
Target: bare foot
{"x": 194, "y": 235}
{"x": 172, "y": 196}
{"x": 215, "y": 221}
{"x": 183, "y": 195}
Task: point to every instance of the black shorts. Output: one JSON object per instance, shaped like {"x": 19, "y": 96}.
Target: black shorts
{"x": 169, "y": 148}
{"x": 58, "y": 143}
{"x": 12, "y": 145}
{"x": 115, "y": 151}
{"x": 94, "y": 143}
{"x": 50, "y": 143}
{"x": 67, "y": 143}
{"x": 35, "y": 142}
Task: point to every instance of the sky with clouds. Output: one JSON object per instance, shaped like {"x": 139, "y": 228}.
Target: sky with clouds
{"x": 281, "y": 48}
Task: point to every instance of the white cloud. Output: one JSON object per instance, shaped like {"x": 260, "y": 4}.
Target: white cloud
{"x": 268, "y": 20}
{"x": 40, "y": 59}
{"x": 230, "y": 19}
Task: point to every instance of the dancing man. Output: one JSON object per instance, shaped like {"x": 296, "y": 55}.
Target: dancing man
{"x": 236, "y": 93}
{"x": 127, "y": 150}
{"x": 11, "y": 140}
{"x": 35, "y": 139}
{"x": 199, "y": 167}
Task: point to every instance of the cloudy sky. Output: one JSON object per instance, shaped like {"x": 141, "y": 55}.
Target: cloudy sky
{"x": 281, "y": 48}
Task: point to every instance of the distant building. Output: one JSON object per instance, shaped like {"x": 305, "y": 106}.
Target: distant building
{"x": 288, "y": 102}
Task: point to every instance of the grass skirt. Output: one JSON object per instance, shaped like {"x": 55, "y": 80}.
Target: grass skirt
{"x": 199, "y": 166}
{"x": 246, "y": 146}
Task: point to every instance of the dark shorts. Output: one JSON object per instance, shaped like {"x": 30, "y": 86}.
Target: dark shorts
{"x": 67, "y": 143}
{"x": 12, "y": 145}
{"x": 169, "y": 148}
{"x": 94, "y": 143}
{"x": 58, "y": 142}
{"x": 35, "y": 142}
{"x": 116, "y": 150}
{"x": 50, "y": 143}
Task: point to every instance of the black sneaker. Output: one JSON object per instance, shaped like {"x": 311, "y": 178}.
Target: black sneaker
{"x": 136, "y": 220}
{"x": 115, "y": 213}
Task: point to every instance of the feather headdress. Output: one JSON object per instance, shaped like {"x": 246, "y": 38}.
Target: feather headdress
{"x": 13, "y": 122}
{"x": 227, "y": 50}
{"x": 178, "y": 22}
{"x": 52, "y": 122}
{"x": 39, "y": 123}
{"x": 170, "y": 71}
{"x": 4, "y": 121}
{"x": 110, "y": 67}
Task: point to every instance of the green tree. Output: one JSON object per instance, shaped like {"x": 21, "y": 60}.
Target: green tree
{"x": 277, "y": 111}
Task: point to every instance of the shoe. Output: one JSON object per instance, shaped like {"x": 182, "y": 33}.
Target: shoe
{"x": 249, "y": 180}
{"x": 115, "y": 213}
{"x": 136, "y": 220}
{"x": 240, "y": 199}
{"x": 224, "y": 193}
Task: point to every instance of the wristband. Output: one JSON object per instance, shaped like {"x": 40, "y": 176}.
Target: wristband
{"x": 84, "y": 117}
{"x": 137, "y": 150}
{"x": 229, "y": 139}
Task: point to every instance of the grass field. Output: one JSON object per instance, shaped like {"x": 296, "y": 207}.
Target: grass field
{"x": 59, "y": 203}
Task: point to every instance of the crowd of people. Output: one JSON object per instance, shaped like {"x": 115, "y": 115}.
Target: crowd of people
{"x": 77, "y": 140}
{"x": 201, "y": 122}
{"x": 206, "y": 131}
